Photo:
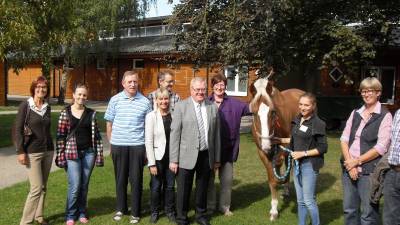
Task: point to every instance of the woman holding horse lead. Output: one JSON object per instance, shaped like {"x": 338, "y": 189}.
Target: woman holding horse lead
{"x": 308, "y": 142}
{"x": 230, "y": 112}
{"x": 365, "y": 139}
{"x": 79, "y": 149}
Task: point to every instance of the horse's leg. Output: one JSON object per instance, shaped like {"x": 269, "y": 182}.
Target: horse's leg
{"x": 272, "y": 185}
{"x": 274, "y": 201}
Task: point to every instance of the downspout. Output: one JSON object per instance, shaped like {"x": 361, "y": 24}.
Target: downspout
{"x": 54, "y": 82}
{"x": 5, "y": 82}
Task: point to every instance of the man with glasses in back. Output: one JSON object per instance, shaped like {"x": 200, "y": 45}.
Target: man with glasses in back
{"x": 194, "y": 148}
{"x": 165, "y": 80}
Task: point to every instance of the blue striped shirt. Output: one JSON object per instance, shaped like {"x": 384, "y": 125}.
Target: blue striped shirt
{"x": 394, "y": 150}
{"x": 127, "y": 116}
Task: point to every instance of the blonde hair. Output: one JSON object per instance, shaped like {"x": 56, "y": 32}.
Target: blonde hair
{"x": 370, "y": 83}
{"x": 160, "y": 93}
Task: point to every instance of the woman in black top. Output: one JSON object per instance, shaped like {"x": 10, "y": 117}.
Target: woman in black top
{"x": 157, "y": 130}
{"x": 79, "y": 148}
{"x": 36, "y": 152}
{"x": 308, "y": 142}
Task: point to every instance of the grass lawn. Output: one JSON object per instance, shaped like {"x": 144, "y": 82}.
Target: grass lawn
{"x": 7, "y": 121}
{"x": 250, "y": 197}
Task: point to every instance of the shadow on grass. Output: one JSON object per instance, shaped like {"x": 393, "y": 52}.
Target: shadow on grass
{"x": 246, "y": 195}
{"x": 330, "y": 210}
{"x": 58, "y": 218}
{"x": 325, "y": 181}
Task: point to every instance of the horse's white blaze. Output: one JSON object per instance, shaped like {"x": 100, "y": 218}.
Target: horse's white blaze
{"x": 263, "y": 114}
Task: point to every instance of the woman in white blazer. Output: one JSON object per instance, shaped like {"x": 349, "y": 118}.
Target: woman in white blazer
{"x": 157, "y": 130}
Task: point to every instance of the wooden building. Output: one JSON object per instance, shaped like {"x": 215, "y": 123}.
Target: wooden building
{"x": 143, "y": 48}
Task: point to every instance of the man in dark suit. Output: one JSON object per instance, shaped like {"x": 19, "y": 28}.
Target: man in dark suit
{"x": 194, "y": 148}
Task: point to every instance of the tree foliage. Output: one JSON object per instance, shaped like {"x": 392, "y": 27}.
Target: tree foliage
{"x": 42, "y": 30}
{"x": 285, "y": 34}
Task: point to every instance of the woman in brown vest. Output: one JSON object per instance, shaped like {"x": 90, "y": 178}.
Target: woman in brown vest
{"x": 36, "y": 151}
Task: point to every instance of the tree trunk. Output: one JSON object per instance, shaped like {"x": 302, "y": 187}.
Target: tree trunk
{"x": 63, "y": 88}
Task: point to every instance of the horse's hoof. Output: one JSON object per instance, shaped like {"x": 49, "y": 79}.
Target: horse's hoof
{"x": 273, "y": 216}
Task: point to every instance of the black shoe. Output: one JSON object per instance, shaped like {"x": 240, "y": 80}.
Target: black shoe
{"x": 203, "y": 221}
{"x": 171, "y": 217}
{"x": 154, "y": 218}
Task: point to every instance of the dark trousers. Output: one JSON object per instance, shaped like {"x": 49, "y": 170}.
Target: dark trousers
{"x": 163, "y": 184}
{"x": 184, "y": 188}
{"x": 356, "y": 205}
{"x": 128, "y": 163}
{"x": 391, "y": 194}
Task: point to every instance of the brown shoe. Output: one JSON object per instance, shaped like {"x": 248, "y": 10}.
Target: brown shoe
{"x": 42, "y": 222}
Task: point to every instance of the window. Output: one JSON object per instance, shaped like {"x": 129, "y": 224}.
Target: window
{"x": 138, "y": 64}
{"x": 154, "y": 31}
{"x": 237, "y": 80}
{"x": 387, "y": 76}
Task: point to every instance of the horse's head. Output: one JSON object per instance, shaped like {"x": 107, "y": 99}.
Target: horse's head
{"x": 264, "y": 112}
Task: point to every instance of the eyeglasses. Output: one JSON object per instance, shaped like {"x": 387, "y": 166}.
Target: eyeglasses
{"x": 169, "y": 81}
{"x": 367, "y": 92}
{"x": 199, "y": 90}
{"x": 219, "y": 85}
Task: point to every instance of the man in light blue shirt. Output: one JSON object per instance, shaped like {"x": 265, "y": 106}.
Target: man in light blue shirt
{"x": 125, "y": 117}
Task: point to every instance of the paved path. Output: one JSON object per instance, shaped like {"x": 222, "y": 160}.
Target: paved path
{"x": 99, "y": 106}
{"x": 13, "y": 172}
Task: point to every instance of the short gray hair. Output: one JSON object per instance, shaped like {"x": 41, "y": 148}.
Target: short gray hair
{"x": 130, "y": 73}
{"x": 197, "y": 79}
{"x": 161, "y": 75}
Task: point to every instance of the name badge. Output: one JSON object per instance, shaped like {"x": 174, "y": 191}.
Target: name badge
{"x": 303, "y": 128}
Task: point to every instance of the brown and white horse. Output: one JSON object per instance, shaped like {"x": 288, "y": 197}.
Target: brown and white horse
{"x": 273, "y": 112}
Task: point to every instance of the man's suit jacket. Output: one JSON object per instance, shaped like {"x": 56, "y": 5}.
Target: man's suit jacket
{"x": 155, "y": 139}
{"x": 184, "y": 138}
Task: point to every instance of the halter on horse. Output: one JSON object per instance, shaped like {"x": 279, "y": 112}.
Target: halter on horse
{"x": 273, "y": 112}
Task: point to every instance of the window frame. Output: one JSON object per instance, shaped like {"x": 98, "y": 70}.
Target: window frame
{"x": 134, "y": 64}
{"x": 390, "y": 101}
{"x": 236, "y": 91}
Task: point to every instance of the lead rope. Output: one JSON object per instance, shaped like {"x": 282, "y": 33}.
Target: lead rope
{"x": 286, "y": 174}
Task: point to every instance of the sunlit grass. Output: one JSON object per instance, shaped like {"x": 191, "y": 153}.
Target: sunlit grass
{"x": 250, "y": 198}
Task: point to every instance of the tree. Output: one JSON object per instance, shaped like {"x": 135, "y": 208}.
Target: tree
{"x": 289, "y": 35}
{"x": 40, "y": 30}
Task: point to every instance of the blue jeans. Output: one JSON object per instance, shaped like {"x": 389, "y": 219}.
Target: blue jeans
{"x": 356, "y": 195}
{"x": 391, "y": 193}
{"x": 163, "y": 184}
{"x": 78, "y": 171}
{"x": 305, "y": 191}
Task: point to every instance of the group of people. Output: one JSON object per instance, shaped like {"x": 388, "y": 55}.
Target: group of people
{"x": 370, "y": 145}
{"x": 179, "y": 140}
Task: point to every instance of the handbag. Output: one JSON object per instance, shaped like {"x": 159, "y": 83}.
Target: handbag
{"x": 27, "y": 129}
